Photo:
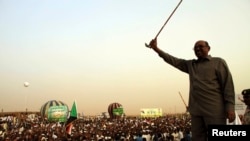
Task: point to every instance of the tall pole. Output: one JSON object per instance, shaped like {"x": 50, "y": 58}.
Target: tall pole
{"x": 183, "y": 101}
{"x": 26, "y": 84}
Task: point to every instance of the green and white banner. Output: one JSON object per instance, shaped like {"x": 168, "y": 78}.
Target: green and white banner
{"x": 118, "y": 111}
{"x": 58, "y": 113}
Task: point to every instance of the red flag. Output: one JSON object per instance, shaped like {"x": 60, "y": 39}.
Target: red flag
{"x": 69, "y": 128}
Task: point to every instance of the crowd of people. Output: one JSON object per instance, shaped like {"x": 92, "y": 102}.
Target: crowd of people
{"x": 165, "y": 128}
{"x": 171, "y": 127}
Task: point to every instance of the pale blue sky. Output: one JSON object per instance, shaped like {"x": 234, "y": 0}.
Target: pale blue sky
{"x": 92, "y": 51}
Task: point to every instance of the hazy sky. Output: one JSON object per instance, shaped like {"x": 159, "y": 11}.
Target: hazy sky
{"x": 92, "y": 51}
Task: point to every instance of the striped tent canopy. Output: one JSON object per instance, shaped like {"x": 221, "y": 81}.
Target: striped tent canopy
{"x": 115, "y": 110}
{"x": 50, "y": 104}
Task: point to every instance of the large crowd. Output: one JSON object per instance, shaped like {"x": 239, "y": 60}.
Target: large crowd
{"x": 166, "y": 128}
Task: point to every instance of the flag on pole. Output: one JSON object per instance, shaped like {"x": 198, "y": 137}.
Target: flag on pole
{"x": 72, "y": 117}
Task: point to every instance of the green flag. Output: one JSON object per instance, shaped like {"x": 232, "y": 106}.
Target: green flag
{"x": 73, "y": 112}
